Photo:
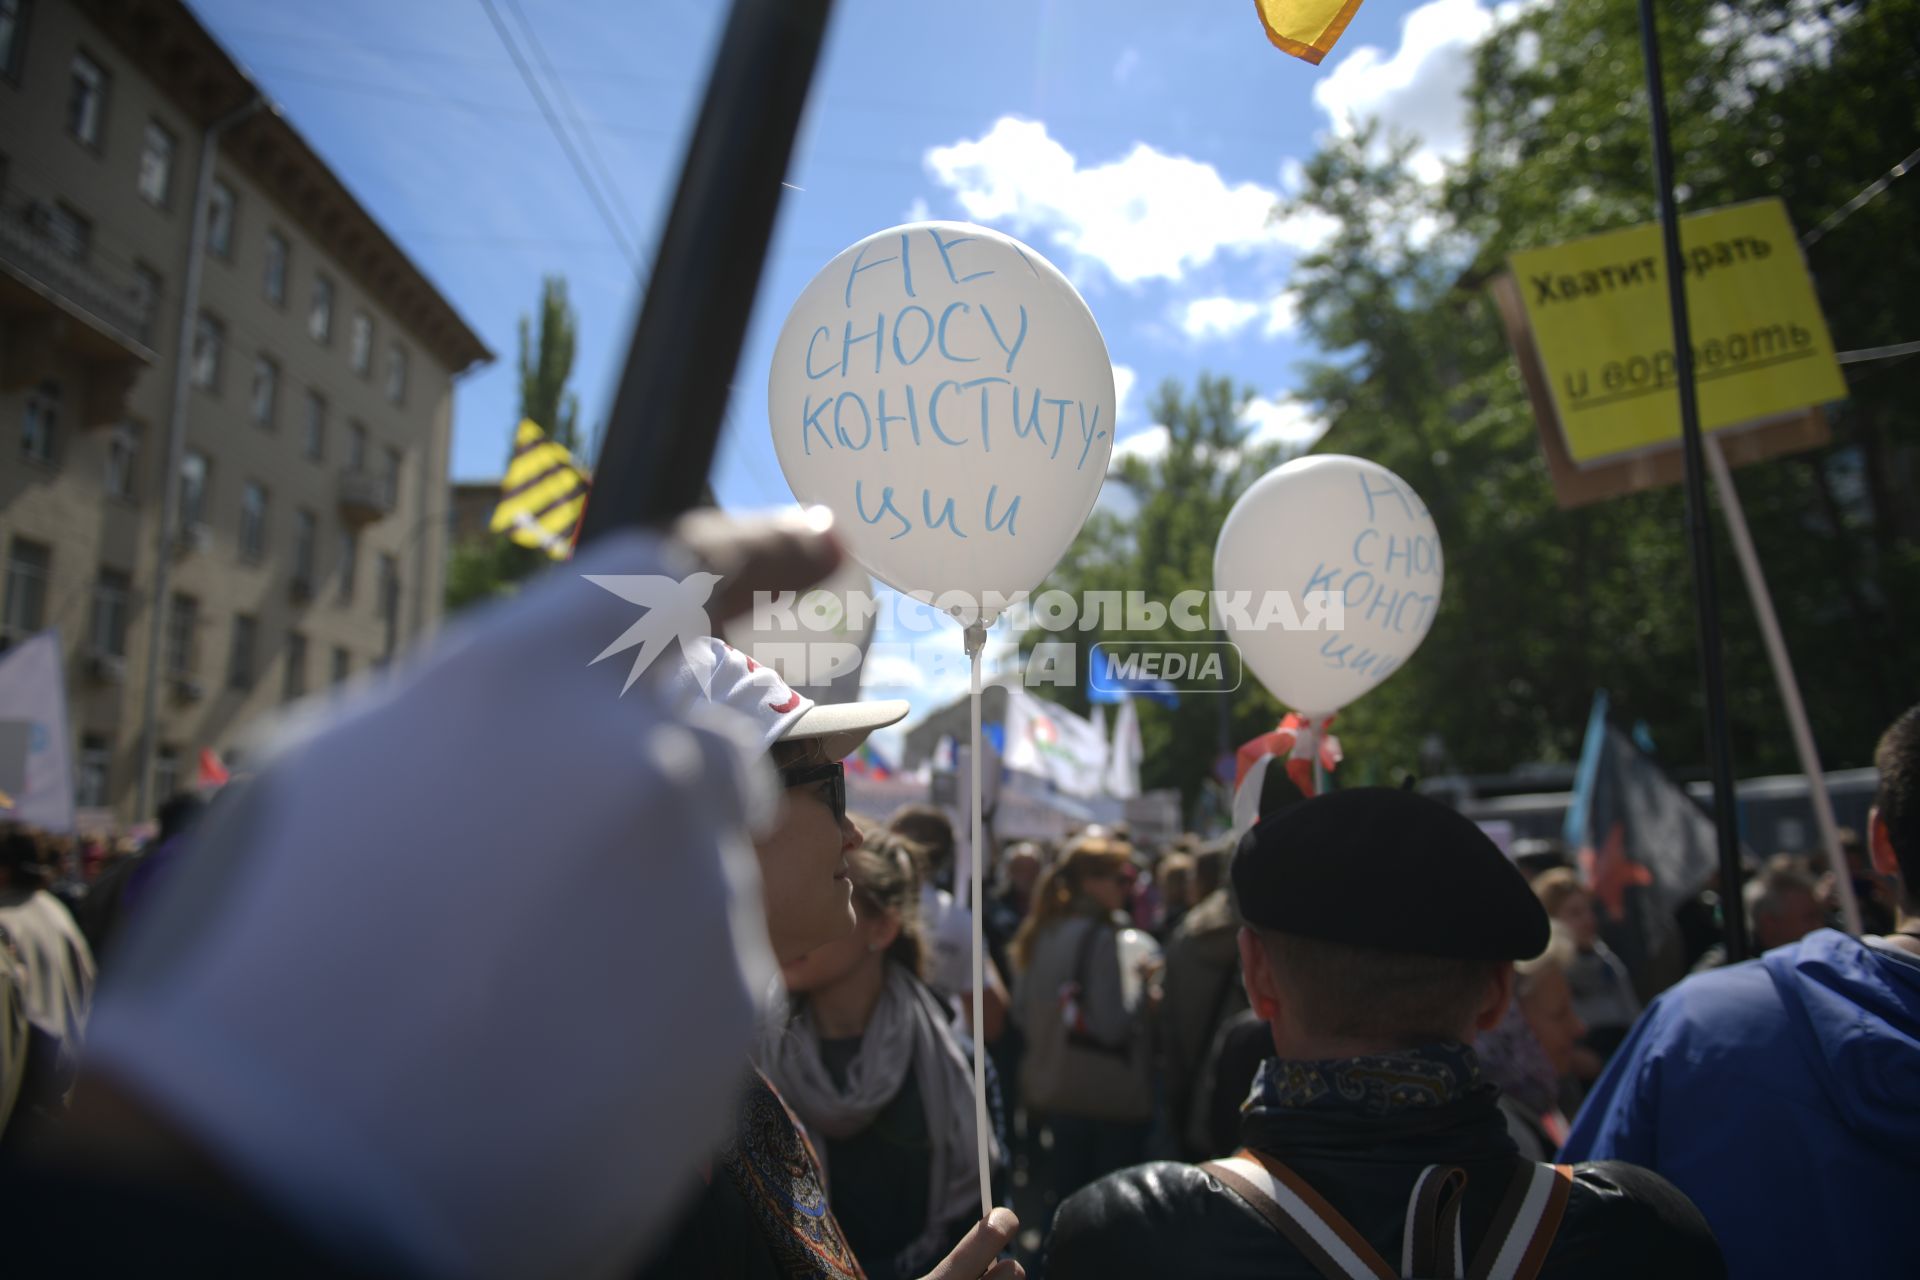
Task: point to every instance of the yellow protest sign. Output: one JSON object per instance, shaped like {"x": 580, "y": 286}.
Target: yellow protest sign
{"x": 1598, "y": 313}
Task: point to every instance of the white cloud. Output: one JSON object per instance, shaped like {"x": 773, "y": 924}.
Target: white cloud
{"x": 1282, "y": 314}
{"x": 1281, "y": 420}
{"x": 1224, "y": 317}
{"x": 1145, "y": 216}
{"x": 1148, "y": 444}
{"x": 1420, "y": 90}
{"x": 918, "y": 211}
{"x": 1123, "y": 379}
{"x": 1217, "y": 317}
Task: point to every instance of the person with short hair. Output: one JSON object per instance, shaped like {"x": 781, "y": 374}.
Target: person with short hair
{"x": 1603, "y": 994}
{"x": 1382, "y": 931}
{"x": 1797, "y": 1072}
{"x": 869, "y": 1062}
{"x": 1782, "y": 905}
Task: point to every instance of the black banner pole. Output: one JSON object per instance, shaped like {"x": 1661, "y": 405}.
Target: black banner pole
{"x": 1699, "y": 533}
{"x": 667, "y": 413}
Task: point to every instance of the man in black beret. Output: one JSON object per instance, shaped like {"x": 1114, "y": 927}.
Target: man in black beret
{"x": 1381, "y": 933}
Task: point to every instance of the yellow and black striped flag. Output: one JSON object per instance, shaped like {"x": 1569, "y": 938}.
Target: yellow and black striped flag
{"x": 543, "y": 493}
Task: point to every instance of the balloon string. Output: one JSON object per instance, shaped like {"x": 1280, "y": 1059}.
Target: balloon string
{"x": 976, "y": 641}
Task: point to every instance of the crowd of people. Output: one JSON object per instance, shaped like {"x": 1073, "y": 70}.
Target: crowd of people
{"x": 700, "y": 1029}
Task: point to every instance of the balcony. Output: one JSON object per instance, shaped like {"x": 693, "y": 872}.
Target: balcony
{"x": 363, "y": 498}
{"x": 54, "y": 302}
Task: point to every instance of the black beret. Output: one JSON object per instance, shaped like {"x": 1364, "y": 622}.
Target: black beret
{"x": 1392, "y": 870}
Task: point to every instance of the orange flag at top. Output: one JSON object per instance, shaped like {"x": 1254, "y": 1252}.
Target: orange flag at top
{"x": 1305, "y": 28}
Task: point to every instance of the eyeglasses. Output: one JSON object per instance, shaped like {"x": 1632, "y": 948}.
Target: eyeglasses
{"x": 836, "y": 773}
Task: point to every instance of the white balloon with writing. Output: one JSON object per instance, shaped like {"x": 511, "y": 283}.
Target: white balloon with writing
{"x": 944, "y": 390}
{"x": 1327, "y": 575}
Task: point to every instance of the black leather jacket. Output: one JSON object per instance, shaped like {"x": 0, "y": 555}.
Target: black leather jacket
{"x": 1166, "y": 1219}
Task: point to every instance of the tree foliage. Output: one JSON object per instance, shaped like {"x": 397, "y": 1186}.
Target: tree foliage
{"x": 490, "y": 566}
{"x": 1808, "y": 102}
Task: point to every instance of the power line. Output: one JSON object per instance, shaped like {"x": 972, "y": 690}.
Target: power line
{"x": 1854, "y": 205}
{"x": 573, "y": 117}
{"x": 560, "y": 135}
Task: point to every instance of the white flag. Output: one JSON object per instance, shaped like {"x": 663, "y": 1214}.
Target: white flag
{"x": 1048, "y": 741}
{"x": 33, "y": 693}
{"x": 1123, "y": 762}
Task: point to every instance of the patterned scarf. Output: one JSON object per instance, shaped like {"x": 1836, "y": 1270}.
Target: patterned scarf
{"x": 773, "y": 1168}
{"x": 1378, "y": 1084}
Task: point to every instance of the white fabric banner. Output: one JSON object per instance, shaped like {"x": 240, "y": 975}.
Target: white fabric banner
{"x": 1048, "y": 741}
{"x": 1123, "y": 762}
{"x": 33, "y": 690}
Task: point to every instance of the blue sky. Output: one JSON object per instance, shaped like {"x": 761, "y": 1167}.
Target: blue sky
{"x": 1138, "y": 144}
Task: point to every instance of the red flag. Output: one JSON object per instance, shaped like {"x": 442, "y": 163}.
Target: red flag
{"x": 212, "y": 773}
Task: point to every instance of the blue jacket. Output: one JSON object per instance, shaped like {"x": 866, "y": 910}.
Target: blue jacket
{"x": 1783, "y": 1096}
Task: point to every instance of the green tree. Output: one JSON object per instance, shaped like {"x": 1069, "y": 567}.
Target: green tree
{"x": 1174, "y": 501}
{"x": 546, "y": 363}
{"x": 491, "y": 566}
{"x": 1542, "y": 605}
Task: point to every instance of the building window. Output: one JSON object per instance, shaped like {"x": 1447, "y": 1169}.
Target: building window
{"x": 222, "y": 206}
{"x": 156, "y": 165}
{"x": 96, "y": 759}
{"x": 305, "y": 535}
{"x": 390, "y": 477}
{"x": 390, "y": 599}
{"x": 294, "y": 683}
{"x": 240, "y": 658}
{"x": 40, "y": 423}
{"x": 253, "y": 521}
{"x": 209, "y": 341}
{"x": 28, "y": 567}
{"x": 183, "y": 624}
{"x": 320, "y": 310}
{"x": 112, "y": 599}
{"x": 193, "y": 489}
{"x": 71, "y": 233}
{"x": 87, "y": 101}
{"x": 166, "y": 775}
{"x": 362, "y": 344}
{"x": 397, "y": 373}
{"x": 147, "y": 287}
{"x": 356, "y": 446}
{"x": 266, "y": 389}
{"x": 13, "y": 36}
{"x": 123, "y": 457}
{"x": 342, "y": 665}
{"x": 349, "y": 558}
{"x": 275, "y": 280}
{"x": 316, "y": 424}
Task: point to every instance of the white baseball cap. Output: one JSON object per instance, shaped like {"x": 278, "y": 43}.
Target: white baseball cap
{"x": 779, "y": 712}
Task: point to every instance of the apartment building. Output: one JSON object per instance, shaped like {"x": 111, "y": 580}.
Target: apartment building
{"x": 310, "y": 505}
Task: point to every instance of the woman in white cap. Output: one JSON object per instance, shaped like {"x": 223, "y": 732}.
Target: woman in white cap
{"x": 869, "y": 1061}
{"x": 764, "y": 1209}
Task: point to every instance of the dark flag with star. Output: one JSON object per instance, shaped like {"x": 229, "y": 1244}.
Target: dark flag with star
{"x": 1642, "y": 844}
